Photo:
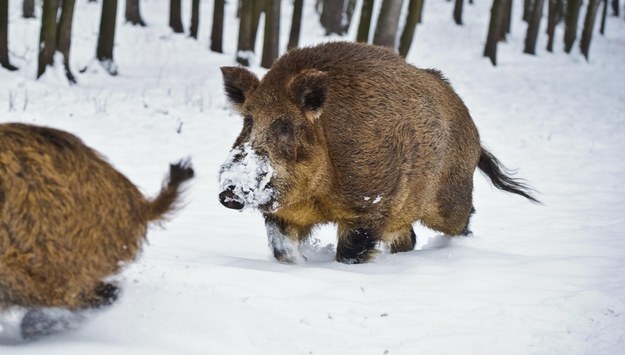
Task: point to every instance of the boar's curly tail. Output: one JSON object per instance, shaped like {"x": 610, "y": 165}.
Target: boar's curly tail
{"x": 167, "y": 199}
{"x": 500, "y": 176}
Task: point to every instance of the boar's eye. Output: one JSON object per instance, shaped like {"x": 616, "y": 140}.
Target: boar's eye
{"x": 282, "y": 128}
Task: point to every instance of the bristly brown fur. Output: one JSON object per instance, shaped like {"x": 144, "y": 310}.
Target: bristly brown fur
{"x": 68, "y": 219}
{"x": 387, "y": 144}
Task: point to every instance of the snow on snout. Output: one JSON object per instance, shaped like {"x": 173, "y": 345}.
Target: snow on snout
{"x": 249, "y": 175}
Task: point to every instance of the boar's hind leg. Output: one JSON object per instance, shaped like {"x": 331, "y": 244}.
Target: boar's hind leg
{"x": 104, "y": 294}
{"x": 403, "y": 240}
{"x": 356, "y": 245}
{"x": 284, "y": 239}
{"x": 467, "y": 230}
{"x": 453, "y": 208}
{"x": 40, "y": 322}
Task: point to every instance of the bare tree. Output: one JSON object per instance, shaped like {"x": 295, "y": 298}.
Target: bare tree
{"x": 604, "y": 14}
{"x": 552, "y": 21}
{"x": 4, "y": 36}
{"x": 507, "y": 20}
{"x": 388, "y": 21}
{"x": 296, "y": 24}
{"x": 258, "y": 7}
{"x": 56, "y": 36}
{"x": 47, "y": 36}
{"x": 365, "y": 21}
{"x": 195, "y": 18}
{"x": 494, "y": 30}
{"x": 349, "y": 14}
{"x": 64, "y": 36}
{"x": 412, "y": 18}
{"x": 175, "y": 16}
{"x": 533, "y": 27}
{"x": 332, "y": 16}
{"x": 589, "y": 24}
{"x": 244, "y": 48}
{"x": 271, "y": 44}
{"x": 458, "y": 11}
{"x": 106, "y": 37}
{"x": 133, "y": 13}
{"x": 527, "y": 10}
{"x": 572, "y": 17}
{"x": 28, "y": 8}
{"x": 218, "y": 27}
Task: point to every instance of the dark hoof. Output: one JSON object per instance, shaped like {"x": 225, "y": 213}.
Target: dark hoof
{"x": 357, "y": 247}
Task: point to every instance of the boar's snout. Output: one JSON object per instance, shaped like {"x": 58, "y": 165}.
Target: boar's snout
{"x": 229, "y": 199}
{"x": 246, "y": 180}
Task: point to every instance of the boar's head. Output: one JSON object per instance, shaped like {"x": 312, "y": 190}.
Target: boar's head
{"x": 279, "y": 155}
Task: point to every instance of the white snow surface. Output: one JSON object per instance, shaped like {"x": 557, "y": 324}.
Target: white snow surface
{"x": 249, "y": 174}
{"x": 532, "y": 279}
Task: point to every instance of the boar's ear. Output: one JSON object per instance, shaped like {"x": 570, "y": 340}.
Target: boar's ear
{"x": 308, "y": 90}
{"x": 238, "y": 84}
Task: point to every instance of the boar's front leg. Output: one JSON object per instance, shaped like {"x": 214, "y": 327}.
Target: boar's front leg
{"x": 285, "y": 238}
{"x": 356, "y": 245}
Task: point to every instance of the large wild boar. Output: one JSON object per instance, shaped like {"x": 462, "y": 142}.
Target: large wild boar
{"x": 351, "y": 134}
{"x": 68, "y": 221}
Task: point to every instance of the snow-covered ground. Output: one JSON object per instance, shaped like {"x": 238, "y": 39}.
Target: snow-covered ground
{"x": 532, "y": 280}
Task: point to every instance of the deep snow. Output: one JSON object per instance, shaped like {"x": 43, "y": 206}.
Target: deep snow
{"x": 532, "y": 280}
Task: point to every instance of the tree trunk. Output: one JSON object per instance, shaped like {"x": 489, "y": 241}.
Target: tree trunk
{"x": 296, "y": 24}
{"x": 28, "y": 8}
{"x": 257, "y": 9}
{"x": 133, "y": 13}
{"x": 218, "y": 27}
{"x": 615, "y": 8}
{"x": 4, "y": 36}
{"x": 528, "y": 10}
{"x": 175, "y": 16}
{"x": 533, "y": 27}
{"x": 332, "y": 16}
{"x": 552, "y": 21}
{"x": 365, "y": 21}
{"x": 106, "y": 37}
{"x": 388, "y": 21}
{"x": 494, "y": 30}
{"x": 349, "y": 14}
{"x": 412, "y": 18}
{"x": 271, "y": 43}
{"x": 507, "y": 20}
{"x": 572, "y": 17}
{"x": 422, "y": 3}
{"x": 195, "y": 18}
{"x": 47, "y": 36}
{"x": 458, "y": 11}
{"x": 604, "y": 14}
{"x": 589, "y": 24}
{"x": 64, "y": 36}
{"x": 244, "y": 47}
